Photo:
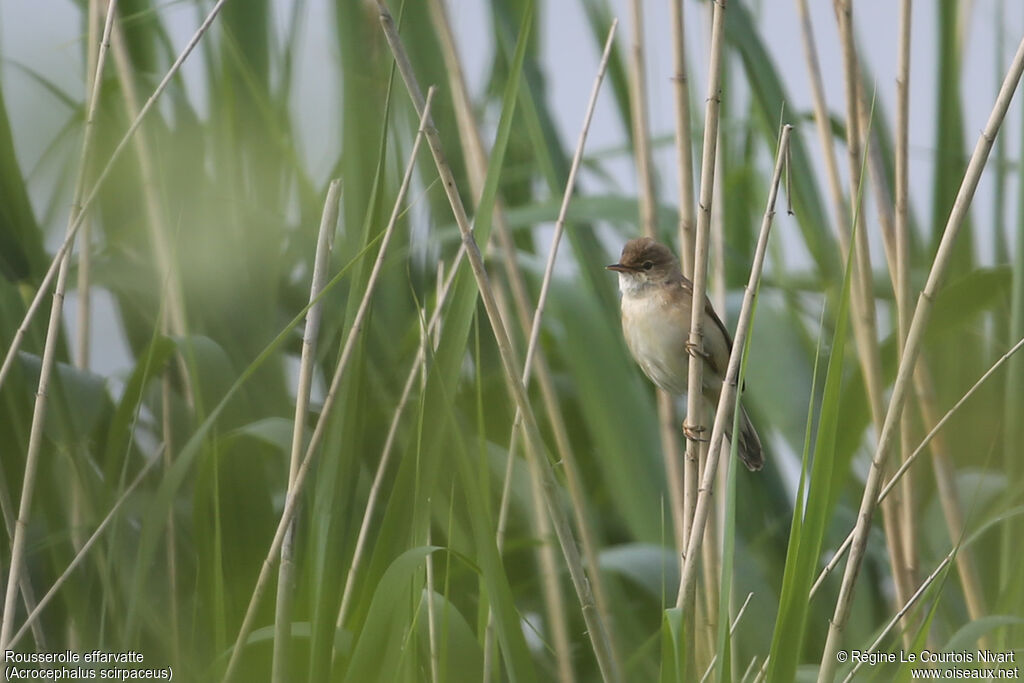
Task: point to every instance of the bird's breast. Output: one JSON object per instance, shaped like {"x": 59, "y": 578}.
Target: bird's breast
{"x": 656, "y": 328}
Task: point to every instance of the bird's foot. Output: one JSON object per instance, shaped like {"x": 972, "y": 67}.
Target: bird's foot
{"x": 694, "y": 350}
{"x": 694, "y": 432}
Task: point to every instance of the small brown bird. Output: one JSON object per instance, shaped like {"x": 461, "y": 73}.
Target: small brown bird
{"x": 656, "y": 311}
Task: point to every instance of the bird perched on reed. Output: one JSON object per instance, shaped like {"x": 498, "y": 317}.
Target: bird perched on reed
{"x": 656, "y": 312}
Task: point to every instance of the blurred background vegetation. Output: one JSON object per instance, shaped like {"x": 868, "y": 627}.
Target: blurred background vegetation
{"x": 198, "y": 258}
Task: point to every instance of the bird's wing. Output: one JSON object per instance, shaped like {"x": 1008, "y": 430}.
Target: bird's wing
{"x": 718, "y": 352}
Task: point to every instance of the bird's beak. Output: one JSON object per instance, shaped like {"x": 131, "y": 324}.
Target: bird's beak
{"x": 618, "y": 267}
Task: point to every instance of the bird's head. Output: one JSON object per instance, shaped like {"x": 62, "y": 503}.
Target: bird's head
{"x": 643, "y": 263}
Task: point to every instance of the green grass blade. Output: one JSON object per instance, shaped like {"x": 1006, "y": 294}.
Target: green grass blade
{"x": 809, "y": 524}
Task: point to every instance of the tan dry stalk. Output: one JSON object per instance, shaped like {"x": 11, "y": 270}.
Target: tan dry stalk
{"x": 749, "y": 670}
{"x": 712, "y": 545}
{"x": 33, "y": 616}
{"x": 899, "y": 521}
{"x": 547, "y": 563}
{"x": 171, "y": 546}
{"x": 683, "y": 136}
{"x": 172, "y": 318}
{"x": 912, "y": 349}
{"x": 641, "y": 132}
{"x": 94, "y": 19}
{"x": 707, "y": 609}
{"x": 862, "y": 298}
{"x": 949, "y": 499}
{"x": 903, "y": 505}
{"x": 433, "y": 339}
{"x": 159, "y": 233}
{"x": 75, "y": 225}
{"x": 435, "y": 658}
{"x": 648, "y": 209}
{"x": 675, "y": 471}
{"x": 903, "y": 611}
{"x": 549, "y": 268}
{"x": 925, "y": 395}
{"x": 49, "y": 356}
{"x": 321, "y": 263}
{"x": 28, "y": 595}
{"x": 295, "y": 491}
{"x": 901, "y": 282}
{"x": 896, "y": 255}
{"x": 967, "y": 569}
{"x": 681, "y": 518}
{"x": 476, "y": 162}
{"x": 476, "y": 157}
{"x": 823, "y": 127}
{"x": 554, "y": 599}
{"x": 729, "y": 386}
{"x": 897, "y": 476}
{"x": 823, "y": 124}
{"x": 595, "y": 624}
{"x": 863, "y": 302}
{"x": 716, "y": 263}
{"x": 84, "y": 316}
{"x": 879, "y": 185}
{"x": 694, "y": 405}
{"x": 941, "y": 463}
{"x": 534, "y": 328}
{"x": 543, "y": 546}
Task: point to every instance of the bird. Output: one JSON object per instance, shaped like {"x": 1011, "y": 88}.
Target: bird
{"x": 657, "y": 300}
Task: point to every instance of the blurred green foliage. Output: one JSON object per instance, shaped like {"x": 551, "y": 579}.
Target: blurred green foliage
{"x": 237, "y": 207}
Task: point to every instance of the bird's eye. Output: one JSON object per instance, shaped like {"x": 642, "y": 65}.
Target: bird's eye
{"x": 648, "y": 265}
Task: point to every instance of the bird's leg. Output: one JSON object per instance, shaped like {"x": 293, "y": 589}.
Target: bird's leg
{"x": 693, "y": 432}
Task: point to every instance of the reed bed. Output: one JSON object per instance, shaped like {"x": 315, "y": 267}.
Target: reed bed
{"x": 376, "y": 420}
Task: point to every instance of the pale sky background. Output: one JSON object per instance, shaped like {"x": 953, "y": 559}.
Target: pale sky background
{"x": 44, "y": 36}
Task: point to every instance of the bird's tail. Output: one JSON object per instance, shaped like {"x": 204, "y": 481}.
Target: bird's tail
{"x": 750, "y": 445}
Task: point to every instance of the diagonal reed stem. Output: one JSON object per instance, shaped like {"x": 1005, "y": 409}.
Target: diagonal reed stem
{"x": 898, "y": 253}
{"x": 732, "y": 630}
{"x": 321, "y": 262}
{"x": 898, "y": 475}
{"x": 729, "y": 386}
{"x": 903, "y": 610}
{"x": 476, "y": 162}
{"x": 49, "y": 356}
{"x": 595, "y": 625}
{"x": 295, "y": 491}
{"x": 33, "y": 616}
{"x": 532, "y": 347}
{"x": 76, "y": 224}
{"x": 432, "y": 326}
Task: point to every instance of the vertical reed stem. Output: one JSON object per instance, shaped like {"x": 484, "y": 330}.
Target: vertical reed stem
{"x": 49, "y": 355}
